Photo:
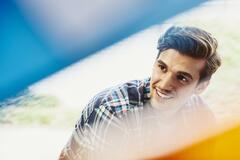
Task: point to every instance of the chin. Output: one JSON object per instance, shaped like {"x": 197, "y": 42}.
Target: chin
{"x": 156, "y": 104}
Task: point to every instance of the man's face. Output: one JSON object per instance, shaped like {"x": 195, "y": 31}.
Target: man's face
{"x": 174, "y": 79}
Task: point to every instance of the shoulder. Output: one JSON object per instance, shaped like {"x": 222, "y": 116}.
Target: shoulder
{"x": 112, "y": 101}
{"x": 197, "y": 108}
{"x": 125, "y": 94}
{"x": 196, "y": 102}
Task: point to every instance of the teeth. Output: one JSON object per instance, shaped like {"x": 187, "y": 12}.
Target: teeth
{"x": 163, "y": 95}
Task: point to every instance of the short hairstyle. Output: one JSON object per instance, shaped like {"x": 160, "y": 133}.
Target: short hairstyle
{"x": 193, "y": 42}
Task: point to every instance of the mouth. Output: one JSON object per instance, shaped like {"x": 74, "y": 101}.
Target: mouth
{"x": 163, "y": 95}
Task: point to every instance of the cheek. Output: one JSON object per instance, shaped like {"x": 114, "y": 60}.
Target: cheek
{"x": 155, "y": 78}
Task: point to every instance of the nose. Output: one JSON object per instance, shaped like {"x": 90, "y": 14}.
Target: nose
{"x": 166, "y": 83}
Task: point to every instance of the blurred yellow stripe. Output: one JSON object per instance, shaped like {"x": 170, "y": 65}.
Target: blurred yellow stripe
{"x": 223, "y": 146}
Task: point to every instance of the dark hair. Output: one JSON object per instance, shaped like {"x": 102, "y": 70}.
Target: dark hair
{"x": 193, "y": 42}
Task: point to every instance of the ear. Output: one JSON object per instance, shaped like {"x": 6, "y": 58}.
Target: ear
{"x": 201, "y": 86}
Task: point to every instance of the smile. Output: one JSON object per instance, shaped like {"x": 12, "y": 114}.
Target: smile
{"x": 163, "y": 95}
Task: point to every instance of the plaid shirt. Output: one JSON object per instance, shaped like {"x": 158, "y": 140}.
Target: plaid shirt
{"x": 114, "y": 102}
{"x": 119, "y": 108}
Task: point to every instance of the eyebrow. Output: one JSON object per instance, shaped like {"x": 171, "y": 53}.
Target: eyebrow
{"x": 179, "y": 72}
{"x": 161, "y": 62}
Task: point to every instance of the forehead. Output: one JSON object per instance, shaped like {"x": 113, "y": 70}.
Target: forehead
{"x": 179, "y": 62}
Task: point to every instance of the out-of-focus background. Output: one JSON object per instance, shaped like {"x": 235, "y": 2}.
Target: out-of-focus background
{"x": 38, "y": 121}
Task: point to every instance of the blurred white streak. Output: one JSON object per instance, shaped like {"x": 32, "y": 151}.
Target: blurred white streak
{"x": 31, "y": 142}
{"x": 127, "y": 60}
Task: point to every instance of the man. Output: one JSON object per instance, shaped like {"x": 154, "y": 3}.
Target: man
{"x": 186, "y": 60}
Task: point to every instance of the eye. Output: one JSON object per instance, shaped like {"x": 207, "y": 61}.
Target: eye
{"x": 182, "y": 79}
{"x": 162, "y": 68}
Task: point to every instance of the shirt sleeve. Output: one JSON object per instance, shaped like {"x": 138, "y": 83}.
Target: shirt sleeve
{"x": 87, "y": 136}
{"x": 77, "y": 146}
